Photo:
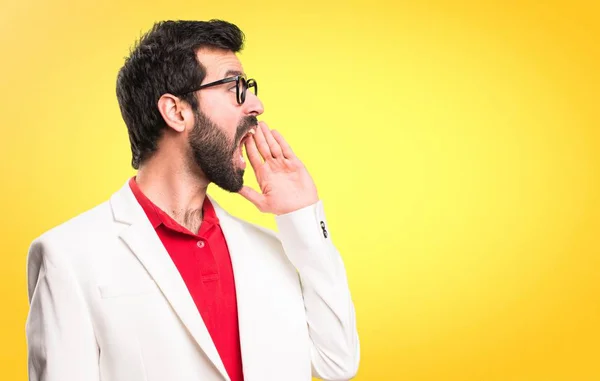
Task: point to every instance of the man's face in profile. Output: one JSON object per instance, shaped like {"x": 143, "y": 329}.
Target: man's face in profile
{"x": 221, "y": 123}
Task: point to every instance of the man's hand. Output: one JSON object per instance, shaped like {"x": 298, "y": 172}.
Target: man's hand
{"x": 285, "y": 183}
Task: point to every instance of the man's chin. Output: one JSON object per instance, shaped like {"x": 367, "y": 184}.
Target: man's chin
{"x": 240, "y": 184}
{"x": 232, "y": 185}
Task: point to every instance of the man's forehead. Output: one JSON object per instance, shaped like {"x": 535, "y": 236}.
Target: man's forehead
{"x": 220, "y": 63}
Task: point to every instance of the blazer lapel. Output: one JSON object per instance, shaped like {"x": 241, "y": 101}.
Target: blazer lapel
{"x": 143, "y": 241}
{"x": 248, "y": 283}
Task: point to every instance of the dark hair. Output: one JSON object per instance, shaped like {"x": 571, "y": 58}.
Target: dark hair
{"x": 164, "y": 61}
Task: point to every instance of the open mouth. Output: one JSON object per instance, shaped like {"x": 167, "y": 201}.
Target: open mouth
{"x": 240, "y": 151}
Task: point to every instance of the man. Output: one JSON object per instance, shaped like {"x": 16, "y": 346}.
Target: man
{"x": 159, "y": 282}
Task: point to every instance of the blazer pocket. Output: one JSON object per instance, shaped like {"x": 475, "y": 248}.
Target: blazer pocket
{"x": 118, "y": 290}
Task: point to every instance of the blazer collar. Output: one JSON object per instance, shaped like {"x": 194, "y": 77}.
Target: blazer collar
{"x": 141, "y": 238}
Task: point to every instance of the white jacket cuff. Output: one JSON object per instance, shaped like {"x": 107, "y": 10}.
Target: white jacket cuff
{"x": 306, "y": 239}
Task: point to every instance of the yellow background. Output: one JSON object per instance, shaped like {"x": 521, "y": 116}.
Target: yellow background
{"x": 455, "y": 144}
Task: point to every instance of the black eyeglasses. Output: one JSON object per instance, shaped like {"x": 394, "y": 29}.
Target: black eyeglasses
{"x": 241, "y": 86}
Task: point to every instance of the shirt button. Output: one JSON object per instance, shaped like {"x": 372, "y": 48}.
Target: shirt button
{"x": 200, "y": 244}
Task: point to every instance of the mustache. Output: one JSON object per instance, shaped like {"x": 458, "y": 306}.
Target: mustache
{"x": 245, "y": 125}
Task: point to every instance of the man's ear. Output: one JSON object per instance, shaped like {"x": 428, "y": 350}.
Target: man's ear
{"x": 174, "y": 111}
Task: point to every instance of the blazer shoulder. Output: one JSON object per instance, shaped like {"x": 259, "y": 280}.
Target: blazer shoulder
{"x": 257, "y": 231}
{"x": 90, "y": 224}
{"x": 255, "y": 228}
{"x": 62, "y": 245}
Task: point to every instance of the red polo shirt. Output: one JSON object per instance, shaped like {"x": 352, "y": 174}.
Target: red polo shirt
{"x": 205, "y": 266}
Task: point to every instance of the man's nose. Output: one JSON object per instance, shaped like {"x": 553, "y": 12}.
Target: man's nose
{"x": 253, "y": 105}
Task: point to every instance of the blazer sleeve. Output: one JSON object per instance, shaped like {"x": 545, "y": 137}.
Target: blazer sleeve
{"x": 61, "y": 343}
{"x": 335, "y": 349}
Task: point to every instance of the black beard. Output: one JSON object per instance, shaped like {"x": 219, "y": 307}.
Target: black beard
{"x": 213, "y": 152}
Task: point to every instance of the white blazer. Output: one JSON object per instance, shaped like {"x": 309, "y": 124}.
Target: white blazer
{"x": 107, "y": 303}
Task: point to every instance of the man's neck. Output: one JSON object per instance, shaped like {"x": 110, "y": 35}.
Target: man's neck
{"x": 174, "y": 190}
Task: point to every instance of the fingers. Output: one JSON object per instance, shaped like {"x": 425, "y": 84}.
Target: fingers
{"x": 261, "y": 143}
{"x": 273, "y": 145}
{"x": 253, "y": 196}
{"x": 268, "y": 144}
{"x": 252, "y": 152}
{"x": 284, "y": 146}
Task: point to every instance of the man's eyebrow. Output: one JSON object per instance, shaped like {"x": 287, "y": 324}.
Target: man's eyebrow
{"x": 231, "y": 73}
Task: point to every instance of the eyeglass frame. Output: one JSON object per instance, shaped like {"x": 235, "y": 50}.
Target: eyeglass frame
{"x": 240, "y": 97}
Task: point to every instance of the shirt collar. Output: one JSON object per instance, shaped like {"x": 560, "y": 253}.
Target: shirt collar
{"x": 157, "y": 216}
